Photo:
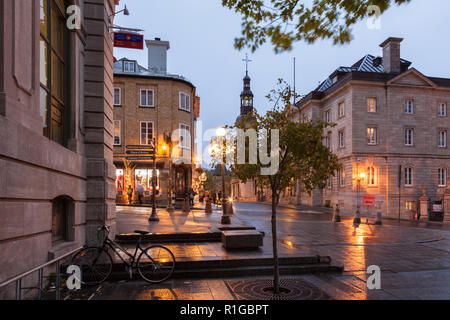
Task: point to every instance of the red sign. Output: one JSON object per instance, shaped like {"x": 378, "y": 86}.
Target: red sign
{"x": 128, "y": 40}
{"x": 369, "y": 201}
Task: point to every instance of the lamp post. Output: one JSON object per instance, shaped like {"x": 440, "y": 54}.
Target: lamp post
{"x": 361, "y": 176}
{"x": 168, "y": 140}
{"x": 154, "y": 216}
{"x": 221, "y": 132}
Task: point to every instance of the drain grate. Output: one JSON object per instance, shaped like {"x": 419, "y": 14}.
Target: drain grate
{"x": 290, "y": 289}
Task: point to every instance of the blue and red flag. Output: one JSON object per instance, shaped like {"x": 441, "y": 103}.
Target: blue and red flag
{"x": 128, "y": 40}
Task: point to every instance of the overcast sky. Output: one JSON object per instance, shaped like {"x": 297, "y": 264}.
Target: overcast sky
{"x": 202, "y": 32}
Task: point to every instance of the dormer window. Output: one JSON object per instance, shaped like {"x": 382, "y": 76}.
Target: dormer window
{"x": 129, "y": 66}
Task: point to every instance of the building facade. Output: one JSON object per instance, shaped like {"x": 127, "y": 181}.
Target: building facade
{"x": 391, "y": 134}
{"x": 153, "y": 105}
{"x": 56, "y": 129}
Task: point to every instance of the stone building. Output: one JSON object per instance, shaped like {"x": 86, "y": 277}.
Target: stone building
{"x": 391, "y": 134}
{"x": 56, "y": 129}
{"x": 150, "y": 103}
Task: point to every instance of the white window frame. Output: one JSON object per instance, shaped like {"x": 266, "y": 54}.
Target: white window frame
{"x": 409, "y": 177}
{"x": 186, "y": 143}
{"x": 119, "y": 90}
{"x": 409, "y": 139}
{"x": 147, "y": 105}
{"x": 341, "y": 111}
{"x": 341, "y": 178}
{"x": 341, "y": 139}
{"x": 409, "y": 106}
{"x": 127, "y": 63}
{"x": 442, "y": 143}
{"x": 120, "y": 133}
{"x": 140, "y": 132}
{"x": 372, "y": 136}
{"x": 186, "y": 99}
{"x": 327, "y": 116}
{"x": 442, "y": 177}
{"x": 372, "y": 107}
{"x": 442, "y": 109}
{"x": 328, "y": 142}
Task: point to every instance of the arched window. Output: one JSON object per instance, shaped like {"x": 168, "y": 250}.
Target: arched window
{"x": 53, "y": 51}
{"x": 61, "y": 207}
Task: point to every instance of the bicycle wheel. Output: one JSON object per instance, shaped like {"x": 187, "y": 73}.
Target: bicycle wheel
{"x": 156, "y": 264}
{"x": 95, "y": 264}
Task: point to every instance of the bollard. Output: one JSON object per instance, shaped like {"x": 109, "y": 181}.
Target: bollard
{"x": 357, "y": 219}
{"x": 208, "y": 207}
{"x": 336, "y": 215}
{"x": 379, "y": 218}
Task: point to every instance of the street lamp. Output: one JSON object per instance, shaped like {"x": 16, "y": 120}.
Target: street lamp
{"x": 221, "y": 132}
{"x": 361, "y": 176}
{"x": 154, "y": 216}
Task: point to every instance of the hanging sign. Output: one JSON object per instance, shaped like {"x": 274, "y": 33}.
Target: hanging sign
{"x": 128, "y": 40}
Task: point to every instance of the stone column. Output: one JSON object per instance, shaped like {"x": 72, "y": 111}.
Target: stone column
{"x": 446, "y": 204}
{"x": 98, "y": 113}
{"x": 423, "y": 208}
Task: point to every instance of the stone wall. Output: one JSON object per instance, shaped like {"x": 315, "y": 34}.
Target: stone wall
{"x": 35, "y": 170}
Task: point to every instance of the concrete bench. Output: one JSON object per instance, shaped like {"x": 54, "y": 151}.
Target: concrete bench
{"x": 242, "y": 239}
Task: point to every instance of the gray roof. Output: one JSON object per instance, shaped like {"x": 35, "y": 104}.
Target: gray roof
{"x": 143, "y": 72}
{"x": 368, "y": 63}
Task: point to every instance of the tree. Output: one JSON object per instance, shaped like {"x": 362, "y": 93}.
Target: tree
{"x": 287, "y": 21}
{"x": 301, "y": 153}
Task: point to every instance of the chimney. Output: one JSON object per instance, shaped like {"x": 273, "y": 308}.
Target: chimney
{"x": 391, "y": 55}
{"x": 157, "y": 55}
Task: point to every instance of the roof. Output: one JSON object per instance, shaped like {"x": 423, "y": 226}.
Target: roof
{"x": 144, "y": 73}
{"x": 368, "y": 63}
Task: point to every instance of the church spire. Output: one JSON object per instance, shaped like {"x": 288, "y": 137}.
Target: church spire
{"x": 247, "y": 94}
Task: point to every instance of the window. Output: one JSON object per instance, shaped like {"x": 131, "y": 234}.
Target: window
{"x": 442, "y": 177}
{"x": 372, "y": 136}
{"x": 341, "y": 139}
{"x": 144, "y": 177}
{"x": 442, "y": 109}
{"x": 409, "y": 137}
{"x": 146, "y": 98}
{"x": 129, "y": 66}
{"x": 117, "y": 140}
{"x": 53, "y": 37}
{"x": 327, "y": 116}
{"x": 443, "y": 139}
{"x": 329, "y": 182}
{"x": 341, "y": 178}
{"x": 328, "y": 142}
{"x": 409, "y": 177}
{"x": 146, "y": 133}
{"x": 185, "y": 101}
{"x": 372, "y": 105}
{"x": 117, "y": 97}
{"x": 409, "y": 205}
{"x": 185, "y": 136}
{"x": 341, "y": 110}
{"x": 409, "y": 106}
{"x": 372, "y": 176}
{"x": 61, "y": 207}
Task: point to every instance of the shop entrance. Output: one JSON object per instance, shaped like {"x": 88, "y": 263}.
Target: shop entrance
{"x": 180, "y": 182}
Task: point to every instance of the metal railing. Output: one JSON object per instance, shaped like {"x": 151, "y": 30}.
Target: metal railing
{"x": 40, "y": 270}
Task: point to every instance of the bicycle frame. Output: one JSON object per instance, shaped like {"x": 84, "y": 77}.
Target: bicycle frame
{"x": 116, "y": 248}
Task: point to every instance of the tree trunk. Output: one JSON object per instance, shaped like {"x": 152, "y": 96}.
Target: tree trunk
{"x": 276, "y": 271}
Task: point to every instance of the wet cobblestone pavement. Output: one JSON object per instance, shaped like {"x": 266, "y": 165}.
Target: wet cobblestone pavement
{"x": 415, "y": 261}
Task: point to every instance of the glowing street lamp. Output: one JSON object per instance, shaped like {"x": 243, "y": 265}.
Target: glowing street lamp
{"x": 221, "y": 132}
{"x": 361, "y": 177}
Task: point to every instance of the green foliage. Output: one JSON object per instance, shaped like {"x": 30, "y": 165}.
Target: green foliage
{"x": 287, "y": 21}
{"x": 302, "y": 154}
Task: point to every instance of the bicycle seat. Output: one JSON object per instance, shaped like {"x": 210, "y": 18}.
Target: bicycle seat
{"x": 141, "y": 232}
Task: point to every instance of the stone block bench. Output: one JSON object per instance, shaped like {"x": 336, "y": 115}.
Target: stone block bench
{"x": 242, "y": 239}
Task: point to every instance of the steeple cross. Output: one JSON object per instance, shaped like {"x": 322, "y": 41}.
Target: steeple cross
{"x": 246, "y": 60}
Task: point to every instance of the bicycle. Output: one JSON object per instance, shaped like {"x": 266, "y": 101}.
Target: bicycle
{"x": 155, "y": 264}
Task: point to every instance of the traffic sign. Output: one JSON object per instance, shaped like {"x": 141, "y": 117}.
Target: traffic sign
{"x": 369, "y": 201}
